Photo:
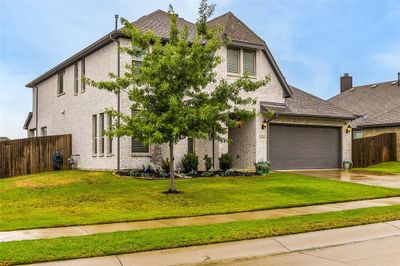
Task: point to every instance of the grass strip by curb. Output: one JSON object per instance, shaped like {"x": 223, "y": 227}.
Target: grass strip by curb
{"x": 31, "y": 251}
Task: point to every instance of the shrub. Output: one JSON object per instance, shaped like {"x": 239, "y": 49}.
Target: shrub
{"x": 225, "y": 162}
{"x": 207, "y": 162}
{"x": 165, "y": 165}
{"x": 263, "y": 167}
{"x": 190, "y": 163}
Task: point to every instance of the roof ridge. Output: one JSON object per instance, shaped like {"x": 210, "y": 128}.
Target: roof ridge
{"x": 376, "y": 83}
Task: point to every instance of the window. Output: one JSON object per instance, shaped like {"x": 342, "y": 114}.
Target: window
{"x": 233, "y": 62}
{"x": 249, "y": 62}
{"x": 136, "y": 63}
{"x": 101, "y": 129}
{"x": 190, "y": 145}
{"x": 358, "y": 134}
{"x": 76, "y": 80}
{"x": 83, "y": 71}
{"x": 60, "y": 87}
{"x": 43, "y": 131}
{"x": 94, "y": 134}
{"x": 139, "y": 147}
{"x": 110, "y": 140}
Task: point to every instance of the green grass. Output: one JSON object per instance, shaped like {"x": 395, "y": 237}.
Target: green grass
{"x": 32, "y": 251}
{"x": 83, "y": 197}
{"x": 386, "y": 167}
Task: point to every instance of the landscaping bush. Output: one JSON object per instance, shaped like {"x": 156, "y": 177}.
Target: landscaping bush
{"x": 165, "y": 167}
{"x": 190, "y": 163}
{"x": 207, "y": 162}
{"x": 225, "y": 162}
{"x": 263, "y": 167}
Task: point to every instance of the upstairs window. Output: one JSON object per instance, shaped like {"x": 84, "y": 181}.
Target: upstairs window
{"x": 249, "y": 62}
{"x": 233, "y": 61}
{"x": 60, "y": 86}
{"x": 82, "y": 75}
{"x": 76, "y": 79}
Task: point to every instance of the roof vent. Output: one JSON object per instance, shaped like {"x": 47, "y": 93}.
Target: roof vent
{"x": 375, "y": 85}
{"x": 394, "y": 82}
{"x": 352, "y": 89}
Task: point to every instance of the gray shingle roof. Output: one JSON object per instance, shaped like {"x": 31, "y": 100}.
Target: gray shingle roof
{"x": 235, "y": 29}
{"x": 302, "y": 103}
{"x": 380, "y": 104}
{"x": 159, "y": 23}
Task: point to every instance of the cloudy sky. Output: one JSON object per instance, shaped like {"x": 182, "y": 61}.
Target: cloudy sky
{"x": 314, "y": 42}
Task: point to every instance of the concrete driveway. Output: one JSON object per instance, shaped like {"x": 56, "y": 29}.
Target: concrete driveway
{"x": 360, "y": 177}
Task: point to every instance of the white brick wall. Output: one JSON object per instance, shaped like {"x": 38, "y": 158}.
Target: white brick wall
{"x": 249, "y": 143}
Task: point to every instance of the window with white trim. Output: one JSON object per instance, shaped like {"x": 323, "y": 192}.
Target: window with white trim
{"x": 249, "y": 62}
{"x": 83, "y": 70}
{"x": 43, "y": 131}
{"x": 60, "y": 83}
{"x": 94, "y": 134}
{"x": 139, "y": 147}
{"x": 76, "y": 79}
{"x": 102, "y": 135}
{"x": 190, "y": 145}
{"x": 241, "y": 61}
{"x": 109, "y": 139}
{"x": 233, "y": 61}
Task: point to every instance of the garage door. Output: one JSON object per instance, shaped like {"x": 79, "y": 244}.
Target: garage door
{"x": 304, "y": 147}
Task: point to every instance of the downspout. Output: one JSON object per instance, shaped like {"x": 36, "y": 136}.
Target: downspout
{"x": 37, "y": 108}
{"x": 118, "y": 94}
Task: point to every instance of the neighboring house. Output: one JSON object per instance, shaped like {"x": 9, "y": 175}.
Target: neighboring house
{"x": 4, "y": 138}
{"x": 378, "y": 107}
{"x": 308, "y": 132}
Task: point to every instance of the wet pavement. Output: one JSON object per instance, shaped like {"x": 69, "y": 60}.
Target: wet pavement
{"x": 355, "y": 176}
{"x": 373, "y": 244}
{"x": 187, "y": 221}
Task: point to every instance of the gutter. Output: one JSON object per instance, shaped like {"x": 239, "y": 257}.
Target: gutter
{"x": 37, "y": 108}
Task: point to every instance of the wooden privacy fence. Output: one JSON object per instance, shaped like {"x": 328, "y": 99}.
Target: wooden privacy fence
{"x": 373, "y": 150}
{"x": 33, "y": 155}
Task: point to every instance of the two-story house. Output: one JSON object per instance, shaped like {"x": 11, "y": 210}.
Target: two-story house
{"x": 307, "y": 132}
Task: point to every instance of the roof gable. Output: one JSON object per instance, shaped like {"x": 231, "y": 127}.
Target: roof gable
{"x": 158, "y": 22}
{"x": 236, "y": 30}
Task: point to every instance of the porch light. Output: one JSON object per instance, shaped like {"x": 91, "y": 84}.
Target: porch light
{"x": 264, "y": 124}
{"x": 348, "y": 129}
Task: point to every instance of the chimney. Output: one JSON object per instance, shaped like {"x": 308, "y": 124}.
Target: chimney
{"x": 346, "y": 82}
{"x": 116, "y": 22}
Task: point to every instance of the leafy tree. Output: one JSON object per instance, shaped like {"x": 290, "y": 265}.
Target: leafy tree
{"x": 168, "y": 90}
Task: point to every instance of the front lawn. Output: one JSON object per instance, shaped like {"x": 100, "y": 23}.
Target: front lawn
{"x": 32, "y": 251}
{"x": 386, "y": 167}
{"x": 86, "y": 197}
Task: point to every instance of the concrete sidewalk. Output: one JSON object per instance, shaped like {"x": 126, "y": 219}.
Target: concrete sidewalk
{"x": 228, "y": 252}
{"x": 199, "y": 220}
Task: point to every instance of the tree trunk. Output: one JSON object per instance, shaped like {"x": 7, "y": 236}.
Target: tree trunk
{"x": 171, "y": 168}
